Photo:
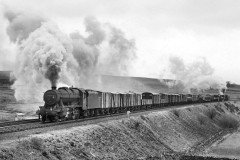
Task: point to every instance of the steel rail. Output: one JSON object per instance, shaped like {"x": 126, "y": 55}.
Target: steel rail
{"x": 10, "y": 123}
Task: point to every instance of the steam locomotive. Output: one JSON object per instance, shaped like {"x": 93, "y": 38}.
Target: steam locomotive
{"x": 73, "y": 103}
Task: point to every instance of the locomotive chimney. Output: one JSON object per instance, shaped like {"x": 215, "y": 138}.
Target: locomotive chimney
{"x": 54, "y": 88}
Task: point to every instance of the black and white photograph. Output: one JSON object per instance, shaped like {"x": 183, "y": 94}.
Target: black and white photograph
{"x": 119, "y": 79}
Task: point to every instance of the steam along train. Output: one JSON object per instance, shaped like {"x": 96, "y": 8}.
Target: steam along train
{"x": 74, "y": 103}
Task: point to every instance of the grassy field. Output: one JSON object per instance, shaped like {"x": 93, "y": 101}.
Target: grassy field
{"x": 6, "y": 96}
{"x": 229, "y": 147}
{"x": 6, "y": 116}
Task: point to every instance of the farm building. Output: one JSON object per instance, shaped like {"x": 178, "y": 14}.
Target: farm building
{"x": 6, "y": 78}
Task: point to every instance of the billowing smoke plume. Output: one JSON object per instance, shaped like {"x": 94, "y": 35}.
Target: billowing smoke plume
{"x": 104, "y": 51}
{"x": 21, "y": 24}
{"x": 86, "y": 49}
{"x": 44, "y": 54}
{"x": 7, "y": 49}
{"x": 120, "y": 53}
{"x": 198, "y": 74}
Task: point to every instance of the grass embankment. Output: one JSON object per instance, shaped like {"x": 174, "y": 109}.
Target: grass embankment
{"x": 6, "y": 96}
{"x": 158, "y": 134}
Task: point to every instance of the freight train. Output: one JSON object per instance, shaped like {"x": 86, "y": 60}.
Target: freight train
{"x": 74, "y": 103}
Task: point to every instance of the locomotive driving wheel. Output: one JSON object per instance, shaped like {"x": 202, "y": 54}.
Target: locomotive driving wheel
{"x": 51, "y": 118}
{"x": 56, "y": 118}
{"x": 85, "y": 113}
{"x": 44, "y": 117}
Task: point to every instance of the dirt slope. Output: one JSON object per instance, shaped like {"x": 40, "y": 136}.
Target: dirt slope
{"x": 166, "y": 134}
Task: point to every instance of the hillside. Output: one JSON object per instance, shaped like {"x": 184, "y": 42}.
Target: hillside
{"x": 139, "y": 84}
{"x": 234, "y": 91}
{"x": 170, "y": 134}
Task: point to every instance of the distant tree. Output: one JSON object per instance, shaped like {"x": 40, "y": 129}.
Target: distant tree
{"x": 228, "y": 84}
{"x": 223, "y": 90}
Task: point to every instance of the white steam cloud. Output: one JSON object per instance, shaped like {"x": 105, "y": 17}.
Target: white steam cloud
{"x": 21, "y": 24}
{"x": 198, "y": 74}
{"x": 47, "y": 57}
{"x": 7, "y": 49}
{"x": 45, "y": 54}
{"x": 118, "y": 49}
{"x": 105, "y": 50}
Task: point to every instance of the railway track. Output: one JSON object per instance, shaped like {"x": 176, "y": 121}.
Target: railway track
{"x": 16, "y": 126}
{"x": 11, "y": 123}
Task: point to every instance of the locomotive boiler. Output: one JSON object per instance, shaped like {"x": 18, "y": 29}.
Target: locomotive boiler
{"x": 63, "y": 103}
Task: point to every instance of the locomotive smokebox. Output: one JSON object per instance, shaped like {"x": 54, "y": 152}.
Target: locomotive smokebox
{"x": 54, "y": 88}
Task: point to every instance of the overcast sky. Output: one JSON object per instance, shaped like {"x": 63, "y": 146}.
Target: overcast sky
{"x": 161, "y": 28}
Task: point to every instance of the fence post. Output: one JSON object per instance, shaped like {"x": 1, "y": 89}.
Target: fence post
{"x": 128, "y": 114}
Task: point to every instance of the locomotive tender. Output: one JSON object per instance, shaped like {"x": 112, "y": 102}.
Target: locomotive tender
{"x": 74, "y": 103}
